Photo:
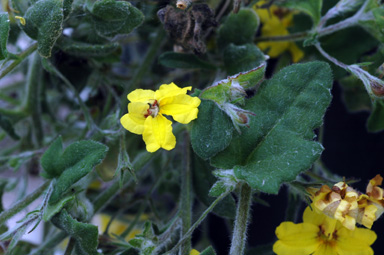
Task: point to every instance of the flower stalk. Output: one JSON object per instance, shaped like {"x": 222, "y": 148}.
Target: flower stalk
{"x": 239, "y": 237}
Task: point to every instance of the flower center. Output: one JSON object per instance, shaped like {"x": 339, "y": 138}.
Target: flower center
{"x": 153, "y": 109}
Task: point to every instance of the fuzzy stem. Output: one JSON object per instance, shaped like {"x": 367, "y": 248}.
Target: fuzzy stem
{"x": 197, "y": 223}
{"x": 70, "y": 246}
{"x": 239, "y": 238}
{"x": 4, "y": 216}
{"x": 186, "y": 198}
{"x": 20, "y": 58}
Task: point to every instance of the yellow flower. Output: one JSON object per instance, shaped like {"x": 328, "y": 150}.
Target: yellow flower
{"x": 322, "y": 235}
{"x": 194, "y": 252}
{"x": 349, "y": 206}
{"x": 145, "y": 114}
{"x": 275, "y": 21}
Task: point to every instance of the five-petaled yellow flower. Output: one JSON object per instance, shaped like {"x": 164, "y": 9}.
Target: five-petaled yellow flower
{"x": 322, "y": 235}
{"x": 146, "y": 114}
{"x": 275, "y": 22}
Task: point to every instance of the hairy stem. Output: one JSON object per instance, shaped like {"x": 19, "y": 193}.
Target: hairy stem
{"x": 4, "y": 216}
{"x": 239, "y": 237}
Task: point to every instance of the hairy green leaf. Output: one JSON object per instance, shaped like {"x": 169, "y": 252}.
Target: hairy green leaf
{"x": 81, "y": 49}
{"x": 242, "y": 58}
{"x": 44, "y": 21}
{"x": 183, "y": 60}
{"x": 238, "y": 28}
{"x": 86, "y": 235}
{"x": 208, "y": 251}
{"x": 111, "y": 17}
{"x": 310, "y": 7}
{"x": 211, "y": 131}
{"x": 4, "y": 32}
{"x": 53, "y": 209}
{"x": 279, "y": 143}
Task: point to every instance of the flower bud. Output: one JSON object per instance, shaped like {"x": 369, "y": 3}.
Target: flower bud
{"x": 239, "y": 116}
{"x": 183, "y": 4}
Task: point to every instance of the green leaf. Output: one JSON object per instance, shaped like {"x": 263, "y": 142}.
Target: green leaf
{"x": 49, "y": 160}
{"x": 4, "y": 32}
{"x": 184, "y": 61}
{"x": 238, "y": 28}
{"x": 374, "y": 23}
{"x": 52, "y": 209}
{"x": 355, "y": 95}
{"x": 6, "y": 125}
{"x": 44, "y": 22}
{"x": 111, "y": 17}
{"x": 279, "y": 143}
{"x": 86, "y": 235}
{"x": 208, "y": 251}
{"x": 375, "y": 121}
{"x": 211, "y": 131}
{"x": 203, "y": 180}
{"x": 67, "y": 8}
{"x": 310, "y": 7}
{"x": 242, "y": 58}
{"x": 74, "y": 163}
{"x": 81, "y": 49}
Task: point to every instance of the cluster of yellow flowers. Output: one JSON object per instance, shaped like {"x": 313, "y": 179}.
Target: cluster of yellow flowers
{"x": 329, "y": 225}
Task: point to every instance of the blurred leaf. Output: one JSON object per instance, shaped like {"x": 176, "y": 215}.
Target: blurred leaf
{"x": 310, "y": 7}
{"x": 44, "y": 23}
{"x": 74, "y": 163}
{"x": 375, "y": 25}
{"x": 375, "y": 121}
{"x": 202, "y": 182}
{"x": 211, "y": 131}
{"x": 208, "y": 251}
{"x": 238, "y": 28}
{"x": 81, "y": 49}
{"x": 86, "y": 235}
{"x": 67, "y": 8}
{"x": 4, "y": 32}
{"x": 184, "y": 61}
{"x": 7, "y": 126}
{"x": 111, "y": 17}
{"x": 355, "y": 96}
{"x": 242, "y": 58}
{"x": 279, "y": 143}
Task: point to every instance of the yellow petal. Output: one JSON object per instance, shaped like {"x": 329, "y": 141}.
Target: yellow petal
{"x": 182, "y": 108}
{"x": 158, "y": 133}
{"x": 141, "y": 95}
{"x": 134, "y": 120}
{"x": 319, "y": 219}
{"x": 356, "y": 242}
{"x": 298, "y": 239}
{"x": 170, "y": 90}
{"x": 296, "y": 52}
{"x": 194, "y": 252}
{"x": 326, "y": 249}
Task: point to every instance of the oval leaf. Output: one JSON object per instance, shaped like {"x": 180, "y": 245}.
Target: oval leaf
{"x": 4, "y": 32}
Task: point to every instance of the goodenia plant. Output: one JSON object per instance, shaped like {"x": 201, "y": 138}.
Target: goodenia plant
{"x": 139, "y": 119}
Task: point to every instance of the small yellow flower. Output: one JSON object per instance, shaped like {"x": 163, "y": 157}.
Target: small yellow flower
{"x": 275, "y": 22}
{"x": 194, "y": 252}
{"x": 322, "y": 235}
{"x": 145, "y": 114}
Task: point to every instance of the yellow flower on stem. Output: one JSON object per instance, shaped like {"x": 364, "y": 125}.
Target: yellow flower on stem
{"x": 275, "y": 22}
{"x": 147, "y": 109}
{"x": 322, "y": 235}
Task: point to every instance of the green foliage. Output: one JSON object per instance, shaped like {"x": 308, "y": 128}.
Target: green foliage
{"x": 278, "y": 145}
{"x": 234, "y": 31}
{"x": 52, "y": 209}
{"x": 4, "y": 32}
{"x": 82, "y": 49}
{"x": 44, "y": 23}
{"x": 375, "y": 121}
{"x": 208, "y": 251}
{"x": 212, "y": 131}
{"x": 111, "y": 18}
{"x": 240, "y": 58}
{"x": 86, "y": 235}
{"x": 6, "y": 125}
{"x": 184, "y": 61}
{"x": 310, "y": 7}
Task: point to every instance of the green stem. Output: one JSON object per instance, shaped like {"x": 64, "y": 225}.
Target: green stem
{"x": 70, "y": 246}
{"x": 197, "y": 223}
{"x": 49, "y": 243}
{"x": 33, "y": 104}
{"x": 20, "y": 58}
{"x": 4, "y": 216}
{"x": 144, "y": 66}
{"x": 186, "y": 197}
{"x": 239, "y": 237}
